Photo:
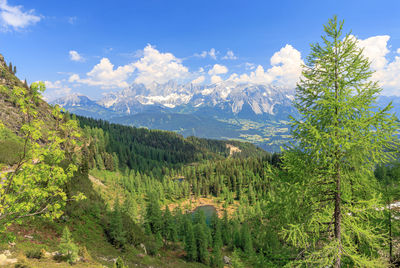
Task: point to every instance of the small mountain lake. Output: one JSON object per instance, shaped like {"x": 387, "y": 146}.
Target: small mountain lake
{"x": 208, "y": 210}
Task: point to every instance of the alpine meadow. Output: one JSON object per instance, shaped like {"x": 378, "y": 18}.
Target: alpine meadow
{"x": 119, "y": 156}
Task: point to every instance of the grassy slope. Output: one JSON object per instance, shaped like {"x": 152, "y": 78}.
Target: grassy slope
{"x": 87, "y": 231}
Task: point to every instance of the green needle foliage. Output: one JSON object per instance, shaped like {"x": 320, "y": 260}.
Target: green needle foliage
{"x": 339, "y": 139}
{"x": 68, "y": 247}
{"x": 119, "y": 263}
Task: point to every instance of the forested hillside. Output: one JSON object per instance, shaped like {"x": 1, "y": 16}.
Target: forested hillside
{"x": 142, "y": 149}
{"x": 88, "y": 193}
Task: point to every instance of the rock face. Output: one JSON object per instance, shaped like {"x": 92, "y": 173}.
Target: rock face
{"x": 225, "y": 98}
{"x": 228, "y": 96}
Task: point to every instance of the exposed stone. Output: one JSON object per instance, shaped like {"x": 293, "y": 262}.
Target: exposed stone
{"x": 227, "y": 260}
{"x": 144, "y": 248}
{"x": 7, "y": 253}
{"x": 4, "y": 260}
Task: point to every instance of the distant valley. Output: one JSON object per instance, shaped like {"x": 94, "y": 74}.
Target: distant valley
{"x": 246, "y": 112}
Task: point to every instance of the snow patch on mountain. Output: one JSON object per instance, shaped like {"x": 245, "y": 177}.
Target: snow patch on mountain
{"x": 225, "y": 95}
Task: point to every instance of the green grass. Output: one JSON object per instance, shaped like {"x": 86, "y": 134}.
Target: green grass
{"x": 11, "y": 146}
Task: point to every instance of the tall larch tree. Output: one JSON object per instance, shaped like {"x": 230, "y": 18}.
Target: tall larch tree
{"x": 339, "y": 138}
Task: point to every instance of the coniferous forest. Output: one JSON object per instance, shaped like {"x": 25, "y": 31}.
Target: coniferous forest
{"x": 88, "y": 193}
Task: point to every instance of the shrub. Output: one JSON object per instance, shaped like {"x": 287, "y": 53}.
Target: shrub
{"x": 84, "y": 254}
{"x": 119, "y": 263}
{"x": 35, "y": 254}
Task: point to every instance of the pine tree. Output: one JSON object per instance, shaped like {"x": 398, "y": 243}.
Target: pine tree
{"x": 340, "y": 137}
{"x": 169, "y": 226}
{"x": 226, "y": 236}
{"x": 190, "y": 242}
{"x": 246, "y": 240}
{"x": 201, "y": 243}
{"x": 214, "y": 224}
{"x": 153, "y": 214}
{"x": 216, "y": 259}
{"x": 116, "y": 229}
{"x": 67, "y": 246}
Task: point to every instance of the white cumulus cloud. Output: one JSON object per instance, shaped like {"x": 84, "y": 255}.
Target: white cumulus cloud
{"x": 387, "y": 72}
{"x": 14, "y": 16}
{"x": 105, "y": 76}
{"x": 218, "y": 69}
{"x": 75, "y": 56}
{"x": 159, "y": 67}
{"x": 153, "y": 66}
{"x": 285, "y": 70}
{"x": 375, "y": 48}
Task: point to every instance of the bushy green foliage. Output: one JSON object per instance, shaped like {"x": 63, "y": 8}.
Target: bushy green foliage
{"x": 36, "y": 185}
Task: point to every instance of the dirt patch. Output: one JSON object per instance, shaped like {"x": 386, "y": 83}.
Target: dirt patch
{"x": 96, "y": 181}
{"x": 189, "y": 205}
{"x": 233, "y": 149}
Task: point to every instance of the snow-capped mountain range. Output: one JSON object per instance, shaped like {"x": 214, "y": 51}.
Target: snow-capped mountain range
{"x": 227, "y": 96}
{"x": 226, "y": 110}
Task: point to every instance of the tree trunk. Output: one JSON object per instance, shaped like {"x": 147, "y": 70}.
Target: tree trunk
{"x": 337, "y": 213}
{"x": 338, "y": 220}
{"x": 390, "y": 234}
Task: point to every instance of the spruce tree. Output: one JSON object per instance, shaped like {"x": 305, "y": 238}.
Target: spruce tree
{"x": 190, "y": 242}
{"x": 116, "y": 228}
{"x": 201, "y": 243}
{"x": 68, "y": 247}
{"x": 216, "y": 259}
{"x": 246, "y": 240}
{"x": 153, "y": 214}
{"x": 340, "y": 136}
{"x": 167, "y": 229}
{"x": 226, "y": 234}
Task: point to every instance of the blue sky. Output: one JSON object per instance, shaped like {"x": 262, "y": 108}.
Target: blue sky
{"x": 94, "y": 47}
